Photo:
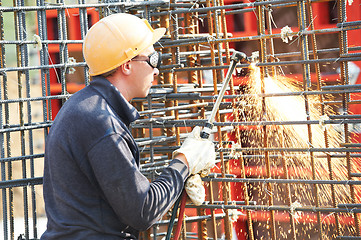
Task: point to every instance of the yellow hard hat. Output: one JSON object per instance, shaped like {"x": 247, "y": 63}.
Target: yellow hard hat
{"x": 115, "y": 40}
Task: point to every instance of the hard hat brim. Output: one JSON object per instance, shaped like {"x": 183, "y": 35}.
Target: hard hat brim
{"x": 157, "y": 34}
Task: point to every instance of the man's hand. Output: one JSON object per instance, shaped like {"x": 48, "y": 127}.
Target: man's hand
{"x": 199, "y": 153}
{"x": 195, "y": 189}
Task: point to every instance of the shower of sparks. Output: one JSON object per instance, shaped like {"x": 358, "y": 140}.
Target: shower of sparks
{"x": 292, "y": 111}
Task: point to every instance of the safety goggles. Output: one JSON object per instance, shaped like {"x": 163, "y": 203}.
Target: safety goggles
{"x": 154, "y": 59}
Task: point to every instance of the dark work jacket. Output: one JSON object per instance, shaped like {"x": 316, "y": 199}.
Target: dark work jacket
{"x": 93, "y": 188}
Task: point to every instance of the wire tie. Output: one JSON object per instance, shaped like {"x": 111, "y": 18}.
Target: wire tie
{"x": 322, "y": 122}
{"x": 310, "y": 144}
{"x": 210, "y": 38}
{"x": 160, "y": 122}
{"x": 327, "y": 217}
{"x": 195, "y": 3}
{"x": 142, "y": 149}
{"x": 38, "y": 42}
{"x": 185, "y": 124}
{"x": 71, "y": 60}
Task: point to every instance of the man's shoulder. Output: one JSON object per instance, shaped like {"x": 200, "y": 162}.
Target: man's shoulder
{"x": 78, "y": 111}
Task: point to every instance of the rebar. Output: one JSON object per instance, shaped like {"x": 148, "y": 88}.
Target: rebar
{"x": 257, "y": 178}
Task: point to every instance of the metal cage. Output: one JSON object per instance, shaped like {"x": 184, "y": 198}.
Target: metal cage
{"x": 287, "y": 132}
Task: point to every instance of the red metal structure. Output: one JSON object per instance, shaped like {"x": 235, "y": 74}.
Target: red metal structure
{"x": 74, "y": 81}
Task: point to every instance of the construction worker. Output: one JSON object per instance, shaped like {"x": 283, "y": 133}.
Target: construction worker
{"x": 93, "y": 188}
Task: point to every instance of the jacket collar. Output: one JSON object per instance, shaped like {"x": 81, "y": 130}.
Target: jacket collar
{"x": 115, "y": 99}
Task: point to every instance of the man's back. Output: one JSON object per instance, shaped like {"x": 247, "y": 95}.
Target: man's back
{"x": 75, "y": 202}
{"x": 93, "y": 188}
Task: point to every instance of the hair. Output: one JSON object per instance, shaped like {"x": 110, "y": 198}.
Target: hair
{"x": 109, "y": 73}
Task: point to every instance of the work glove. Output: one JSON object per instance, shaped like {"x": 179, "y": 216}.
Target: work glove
{"x": 195, "y": 189}
{"x": 199, "y": 152}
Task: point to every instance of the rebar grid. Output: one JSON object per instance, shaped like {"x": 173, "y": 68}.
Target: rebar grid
{"x": 256, "y": 179}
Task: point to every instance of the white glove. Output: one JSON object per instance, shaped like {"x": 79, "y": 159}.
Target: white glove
{"x": 195, "y": 189}
{"x": 199, "y": 152}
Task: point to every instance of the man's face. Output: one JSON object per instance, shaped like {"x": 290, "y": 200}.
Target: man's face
{"x": 143, "y": 74}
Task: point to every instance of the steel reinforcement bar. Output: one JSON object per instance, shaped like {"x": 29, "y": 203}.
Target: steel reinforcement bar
{"x": 262, "y": 187}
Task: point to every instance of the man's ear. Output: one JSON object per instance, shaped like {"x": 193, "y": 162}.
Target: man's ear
{"x": 126, "y": 68}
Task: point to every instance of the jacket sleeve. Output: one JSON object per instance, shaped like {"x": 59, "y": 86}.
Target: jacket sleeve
{"x": 137, "y": 202}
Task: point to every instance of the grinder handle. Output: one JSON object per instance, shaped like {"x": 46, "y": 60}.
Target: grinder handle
{"x": 236, "y": 57}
